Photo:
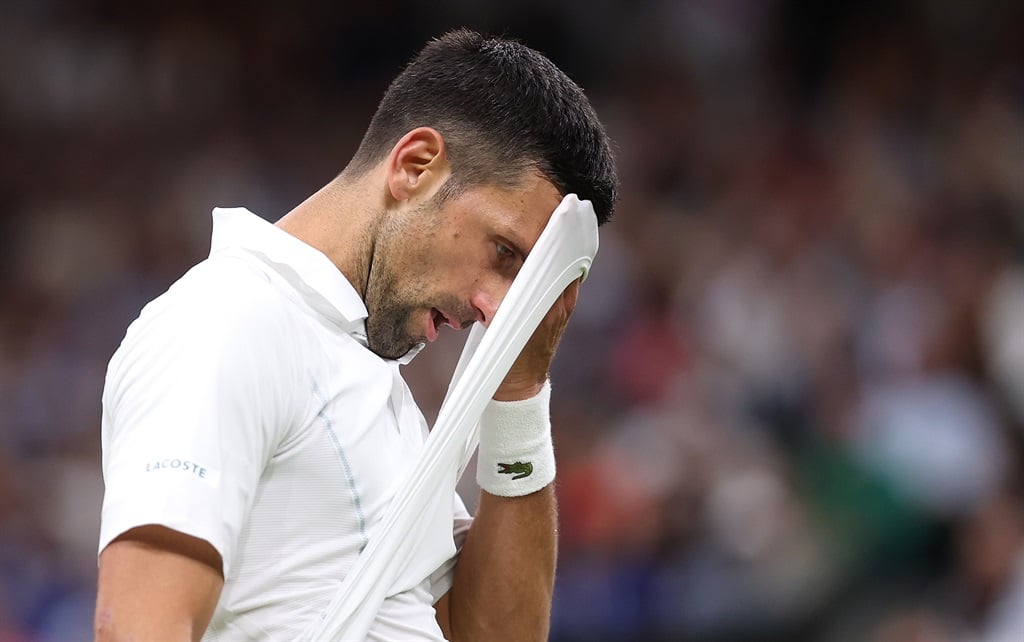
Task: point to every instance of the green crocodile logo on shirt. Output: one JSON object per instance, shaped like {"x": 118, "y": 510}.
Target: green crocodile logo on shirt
{"x": 518, "y": 470}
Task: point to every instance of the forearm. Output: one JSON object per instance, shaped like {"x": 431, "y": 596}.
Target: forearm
{"x": 506, "y": 572}
{"x": 505, "y": 576}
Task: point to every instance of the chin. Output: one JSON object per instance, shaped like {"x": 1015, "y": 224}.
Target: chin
{"x": 392, "y": 350}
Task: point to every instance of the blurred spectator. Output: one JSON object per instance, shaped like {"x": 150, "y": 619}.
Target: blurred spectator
{"x": 790, "y": 401}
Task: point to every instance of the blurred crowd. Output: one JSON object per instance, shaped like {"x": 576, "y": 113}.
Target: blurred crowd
{"x": 790, "y": 404}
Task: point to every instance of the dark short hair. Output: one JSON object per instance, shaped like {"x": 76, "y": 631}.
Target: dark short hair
{"x": 503, "y": 109}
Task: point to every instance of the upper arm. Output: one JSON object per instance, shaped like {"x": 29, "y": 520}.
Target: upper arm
{"x": 156, "y": 583}
{"x": 197, "y": 399}
{"x": 193, "y": 408}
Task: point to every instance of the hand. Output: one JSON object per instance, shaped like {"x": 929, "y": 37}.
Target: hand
{"x": 530, "y": 370}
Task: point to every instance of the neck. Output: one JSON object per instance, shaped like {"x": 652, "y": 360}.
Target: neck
{"x": 341, "y": 220}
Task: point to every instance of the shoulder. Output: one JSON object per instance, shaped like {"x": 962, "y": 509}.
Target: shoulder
{"x": 224, "y": 316}
{"x": 224, "y": 298}
{"x": 228, "y": 288}
{"x": 222, "y": 341}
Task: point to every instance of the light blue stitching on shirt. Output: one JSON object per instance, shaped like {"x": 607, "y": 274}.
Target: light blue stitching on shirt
{"x": 341, "y": 455}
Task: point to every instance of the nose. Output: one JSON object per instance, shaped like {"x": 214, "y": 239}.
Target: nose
{"x": 485, "y": 302}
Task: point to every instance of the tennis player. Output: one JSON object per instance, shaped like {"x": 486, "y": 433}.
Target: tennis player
{"x": 255, "y": 420}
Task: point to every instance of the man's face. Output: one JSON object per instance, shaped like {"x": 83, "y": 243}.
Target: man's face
{"x": 451, "y": 263}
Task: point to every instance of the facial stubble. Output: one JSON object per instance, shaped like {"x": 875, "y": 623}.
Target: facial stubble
{"x": 394, "y": 289}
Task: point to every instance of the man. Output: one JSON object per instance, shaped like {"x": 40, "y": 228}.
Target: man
{"x": 255, "y": 423}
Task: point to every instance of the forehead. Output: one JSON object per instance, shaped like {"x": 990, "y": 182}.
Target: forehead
{"x": 518, "y": 213}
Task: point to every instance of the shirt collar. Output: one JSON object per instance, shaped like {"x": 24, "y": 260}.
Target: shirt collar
{"x": 320, "y": 283}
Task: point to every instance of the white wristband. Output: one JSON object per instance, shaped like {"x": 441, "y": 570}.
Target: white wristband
{"x": 516, "y": 455}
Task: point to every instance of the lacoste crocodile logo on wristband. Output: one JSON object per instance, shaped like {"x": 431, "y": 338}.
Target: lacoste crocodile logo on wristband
{"x": 518, "y": 470}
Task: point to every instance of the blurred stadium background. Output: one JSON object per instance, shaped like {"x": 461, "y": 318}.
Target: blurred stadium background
{"x": 790, "y": 405}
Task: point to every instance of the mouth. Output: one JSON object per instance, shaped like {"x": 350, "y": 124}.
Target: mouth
{"x": 437, "y": 320}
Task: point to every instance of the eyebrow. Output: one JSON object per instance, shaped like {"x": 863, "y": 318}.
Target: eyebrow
{"x": 504, "y": 230}
{"x": 507, "y": 229}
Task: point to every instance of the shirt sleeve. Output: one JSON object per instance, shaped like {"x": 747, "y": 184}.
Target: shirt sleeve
{"x": 194, "y": 405}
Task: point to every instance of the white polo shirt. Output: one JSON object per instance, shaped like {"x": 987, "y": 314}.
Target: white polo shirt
{"x": 243, "y": 408}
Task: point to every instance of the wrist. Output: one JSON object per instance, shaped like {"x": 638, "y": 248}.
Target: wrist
{"x": 519, "y": 390}
{"x": 516, "y": 454}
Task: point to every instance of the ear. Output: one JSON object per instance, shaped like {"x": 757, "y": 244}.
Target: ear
{"x": 417, "y": 165}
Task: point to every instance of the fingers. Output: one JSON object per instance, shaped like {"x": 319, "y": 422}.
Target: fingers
{"x": 571, "y": 295}
{"x": 555, "y": 321}
{"x": 557, "y": 318}
{"x": 530, "y": 370}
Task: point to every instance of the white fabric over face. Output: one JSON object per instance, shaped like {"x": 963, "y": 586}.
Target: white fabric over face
{"x": 563, "y": 253}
